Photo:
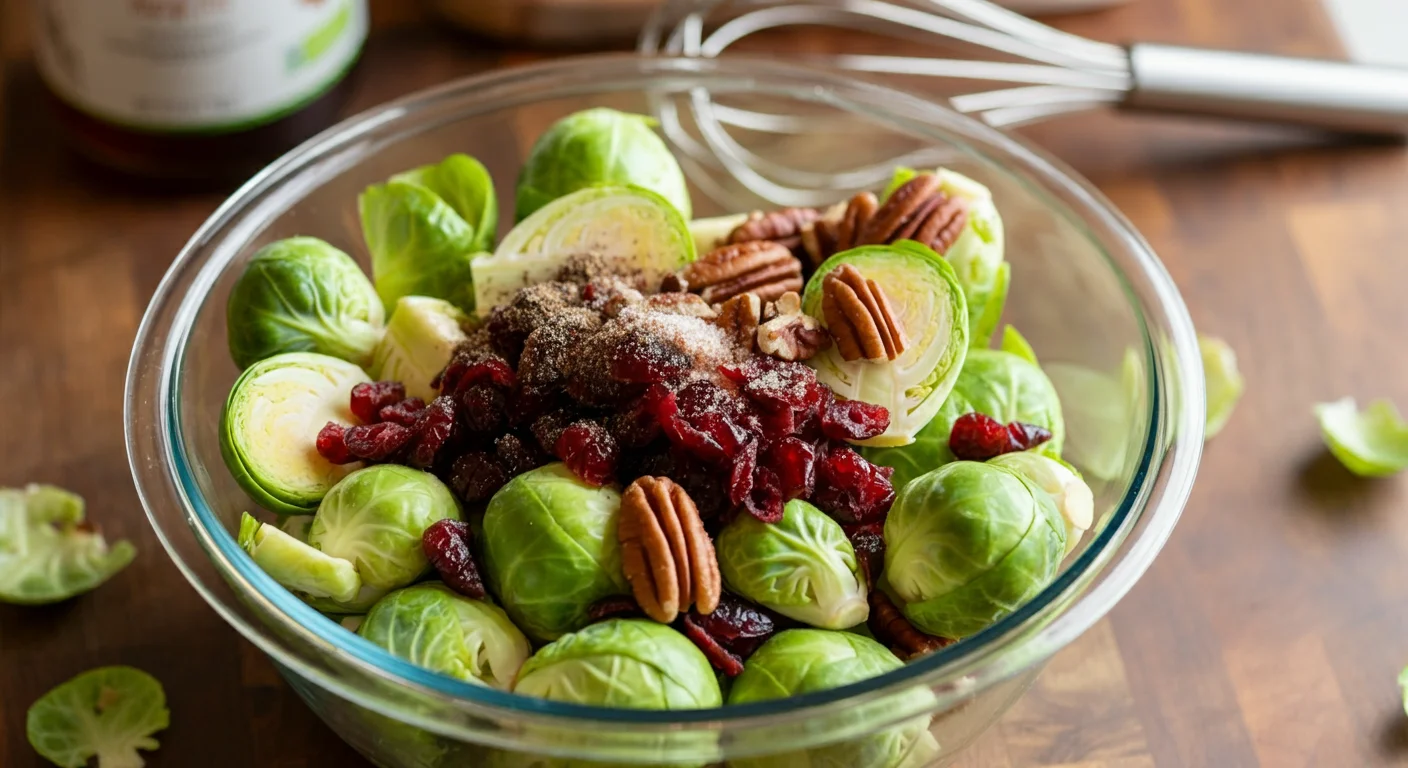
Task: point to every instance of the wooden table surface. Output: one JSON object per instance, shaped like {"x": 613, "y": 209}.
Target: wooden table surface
{"x": 1270, "y": 631}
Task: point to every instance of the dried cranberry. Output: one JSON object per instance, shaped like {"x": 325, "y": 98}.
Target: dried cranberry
{"x": 635, "y": 428}
{"x": 613, "y": 607}
{"x": 853, "y": 420}
{"x": 742, "y": 474}
{"x": 434, "y": 429}
{"x": 376, "y": 442}
{"x": 732, "y": 632}
{"x": 482, "y": 408}
{"x": 979, "y": 437}
{"x": 589, "y": 451}
{"x": 1026, "y": 436}
{"x": 404, "y": 413}
{"x": 471, "y": 368}
{"x": 476, "y": 476}
{"x": 851, "y": 489}
{"x": 702, "y": 483}
{"x": 794, "y": 461}
{"x": 765, "y": 501}
{"x": 719, "y": 657}
{"x": 369, "y": 397}
{"x": 446, "y": 545}
{"x": 779, "y": 384}
{"x": 518, "y": 455}
{"x": 869, "y": 543}
{"x": 548, "y": 428}
{"x": 331, "y": 445}
{"x": 639, "y": 363}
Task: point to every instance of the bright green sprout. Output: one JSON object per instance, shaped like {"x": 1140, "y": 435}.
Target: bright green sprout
{"x": 297, "y": 565}
{"x": 420, "y": 338}
{"x": 1369, "y": 443}
{"x": 46, "y": 555}
{"x": 107, "y": 713}
{"x": 1017, "y": 344}
{"x": 433, "y": 627}
{"x": 1224, "y": 382}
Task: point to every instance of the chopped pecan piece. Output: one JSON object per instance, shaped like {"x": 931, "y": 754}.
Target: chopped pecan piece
{"x": 761, "y": 267}
{"x": 783, "y": 227}
{"x": 790, "y": 334}
{"x": 859, "y": 316}
{"x": 668, "y": 558}
{"x": 739, "y": 317}
{"x": 891, "y": 628}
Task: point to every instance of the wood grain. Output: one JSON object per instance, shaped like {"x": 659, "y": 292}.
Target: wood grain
{"x": 1269, "y": 632}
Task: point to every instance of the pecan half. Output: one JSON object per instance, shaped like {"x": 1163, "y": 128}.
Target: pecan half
{"x": 917, "y": 210}
{"x": 783, "y": 227}
{"x": 789, "y": 333}
{"x": 668, "y": 558}
{"x": 739, "y": 317}
{"x": 891, "y": 628}
{"x": 859, "y": 316}
{"x": 761, "y": 267}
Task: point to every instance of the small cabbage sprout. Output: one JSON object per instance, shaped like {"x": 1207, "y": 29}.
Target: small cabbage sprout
{"x": 803, "y": 567}
{"x": 296, "y": 565}
{"x": 433, "y": 627}
{"x": 1100, "y": 410}
{"x": 107, "y": 713}
{"x": 1014, "y": 342}
{"x": 269, "y": 428}
{"x": 46, "y": 554}
{"x": 1369, "y": 443}
{"x": 626, "y": 663}
{"x": 1224, "y": 382}
{"x": 302, "y": 295}
{"x": 420, "y": 338}
{"x": 595, "y": 147}
{"x": 1073, "y": 497}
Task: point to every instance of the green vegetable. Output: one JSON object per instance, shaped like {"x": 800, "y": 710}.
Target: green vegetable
{"x": 376, "y": 517}
{"x": 597, "y": 147}
{"x": 1000, "y": 384}
{"x": 433, "y": 627}
{"x": 107, "y": 713}
{"x": 968, "y": 543}
{"x": 802, "y": 567}
{"x": 929, "y": 304}
{"x": 1017, "y": 344}
{"x": 550, "y": 549}
{"x": 628, "y": 663}
{"x": 801, "y": 661}
{"x": 426, "y": 226}
{"x": 1072, "y": 496}
{"x": 1224, "y": 382}
{"x": 1100, "y": 411}
{"x": 710, "y": 233}
{"x": 630, "y": 226}
{"x": 302, "y": 295}
{"x": 296, "y": 565}
{"x": 365, "y": 598}
{"x": 269, "y": 428}
{"x": 45, "y": 554}
{"x": 420, "y": 337}
{"x": 1372, "y": 443}
{"x": 1403, "y": 683}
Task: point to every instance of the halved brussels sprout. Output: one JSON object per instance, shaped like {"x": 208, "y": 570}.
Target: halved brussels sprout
{"x": 628, "y": 663}
{"x": 269, "y": 428}
{"x": 1101, "y": 411}
{"x": 1073, "y": 497}
{"x": 433, "y": 627}
{"x": 1373, "y": 443}
{"x": 801, "y": 661}
{"x": 420, "y": 337}
{"x": 803, "y": 567}
{"x": 999, "y": 384}
{"x": 107, "y": 713}
{"x": 968, "y": 543}
{"x": 596, "y": 147}
{"x": 376, "y": 517}
{"x": 1224, "y": 382}
{"x": 710, "y": 233}
{"x": 632, "y": 226}
{"x": 302, "y": 295}
{"x": 929, "y": 304}
{"x": 46, "y": 555}
{"x": 296, "y": 565}
{"x": 550, "y": 549}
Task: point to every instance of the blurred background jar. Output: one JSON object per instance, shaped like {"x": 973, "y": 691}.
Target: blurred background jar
{"x": 195, "y": 89}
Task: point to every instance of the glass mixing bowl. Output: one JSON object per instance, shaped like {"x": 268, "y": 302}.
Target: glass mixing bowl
{"x": 1093, "y": 299}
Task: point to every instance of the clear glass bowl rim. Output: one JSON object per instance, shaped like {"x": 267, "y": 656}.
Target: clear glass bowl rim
{"x": 1064, "y": 610}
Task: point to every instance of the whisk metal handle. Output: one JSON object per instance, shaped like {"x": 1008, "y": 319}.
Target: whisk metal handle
{"x": 1323, "y": 94}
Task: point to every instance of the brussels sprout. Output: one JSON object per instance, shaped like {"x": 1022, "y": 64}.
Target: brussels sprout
{"x": 297, "y": 565}
{"x": 425, "y": 227}
{"x": 1403, "y": 683}
{"x": 433, "y": 627}
{"x": 968, "y": 543}
{"x": 269, "y": 428}
{"x": 999, "y": 384}
{"x": 107, "y": 713}
{"x": 801, "y": 661}
{"x": 929, "y": 303}
{"x": 628, "y": 663}
{"x": 1101, "y": 410}
{"x": 1224, "y": 382}
{"x": 628, "y": 225}
{"x": 596, "y": 147}
{"x": 803, "y": 567}
{"x": 550, "y": 549}
{"x": 1373, "y": 443}
{"x": 710, "y": 233}
{"x": 302, "y": 295}
{"x": 365, "y": 598}
{"x": 297, "y": 526}
{"x": 420, "y": 337}
{"x": 1073, "y": 497}
{"x": 1017, "y": 344}
{"x": 46, "y": 555}
{"x": 376, "y": 517}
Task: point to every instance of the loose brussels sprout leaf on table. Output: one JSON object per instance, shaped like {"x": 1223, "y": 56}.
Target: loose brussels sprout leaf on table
{"x": 630, "y": 663}
{"x": 803, "y": 567}
{"x": 107, "y": 713}
{"x": 420, "y": 338}
{"x": 630, "y": 226}
{"x": 302, "y": 295}
{"x": 596, "y": 147}
{"x": 1369, "y": 443}
{"x": 1074, "y": 499}
{"x": 269, "y": 428}
{"x": 967, "y": 544}
{"x": 296, "y": 565}
{"x": 929, "y": 305}
{"x": 433, "y": 627}
{"x": 550, "y": 549}
{"x": 801, "y": 661}
{"x": 1224, "y": 382}
{"x": 46, "y": 555}
{"x": 376, "y": 517}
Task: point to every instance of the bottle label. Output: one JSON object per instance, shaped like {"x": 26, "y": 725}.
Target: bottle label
{"x": 195, "y": 65}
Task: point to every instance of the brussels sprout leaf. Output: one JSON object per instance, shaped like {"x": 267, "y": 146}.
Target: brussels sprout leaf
{"x": 1224, "y": 382}
{"x": 466, "y": 186}
{"x": 1371, "y": 443}
{"x": 1014, "y": 342}
{"x": 107, "y": 713}
{"x": 46, "y": 553}
{"x": 1403, "y": 683}
{"x": 297, "y": 565}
